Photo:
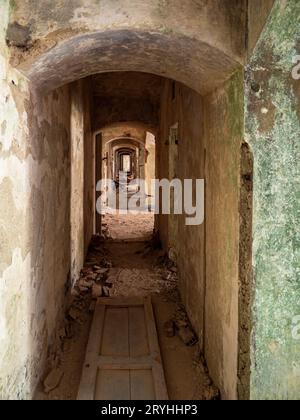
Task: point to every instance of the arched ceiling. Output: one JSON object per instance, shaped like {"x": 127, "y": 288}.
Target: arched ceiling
{"x": 196, "y": 42}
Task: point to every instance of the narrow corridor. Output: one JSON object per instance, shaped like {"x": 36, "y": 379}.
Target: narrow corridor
{"x": 129, "y": 269}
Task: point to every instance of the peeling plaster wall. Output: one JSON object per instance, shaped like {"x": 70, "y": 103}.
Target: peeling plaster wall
{"x": 89, "y": 168}
{"x": 223, "y": 138}
{"x": 183, "y": 106}
{"x": 40, "y": 137}
{"x": 209, "y": 142}
{"x": 273, "y": 132}
{"x": 34, "y": 226}
{"x": 82, "y": 175}
{"x": 77, "y": 179}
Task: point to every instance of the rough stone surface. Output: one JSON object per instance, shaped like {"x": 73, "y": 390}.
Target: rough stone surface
{"x": 209, "y": 140}
{"x": 273, "y": 132}
{"x": 198, "y": 43}
{"x": 223, "y": 138}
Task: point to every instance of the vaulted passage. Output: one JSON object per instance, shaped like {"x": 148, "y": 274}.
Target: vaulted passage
{"x": 128, "y": 175}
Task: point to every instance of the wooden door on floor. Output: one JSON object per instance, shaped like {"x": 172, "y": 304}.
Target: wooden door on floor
{"x": 123, "y": 360}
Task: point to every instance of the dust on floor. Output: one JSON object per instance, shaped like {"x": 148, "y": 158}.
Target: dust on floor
{"x": 128, "y": 227}
{"x": 128, "y": 269}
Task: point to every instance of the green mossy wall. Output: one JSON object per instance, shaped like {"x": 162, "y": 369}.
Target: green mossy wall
{"x": 273, "y": 132}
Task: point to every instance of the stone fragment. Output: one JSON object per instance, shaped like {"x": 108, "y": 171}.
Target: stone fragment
{"x": 105, "y": 290}
{"x": 96, "y": 291}
{"x": 74, "y": 313}
{"x": 53, "y": 380}
{"x": 187, "y": 335}
{"x": 211, "y": 393}
{"x": 169, "y": 328}
{"x": 92, "y": 306}
{"x": 84, "y": 285}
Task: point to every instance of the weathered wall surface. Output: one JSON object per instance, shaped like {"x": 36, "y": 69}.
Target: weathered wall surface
{"x": 150, "y": 161}
{"x": 82, "y": 174}
{"x": 77, "y": 179}
{"x": 186, "y": 109}
{"x": 223, "y": 138}
{"x": 209, "y": 142}
{"x": 34, "y": 226}
{"x": 273, "y": 132}
{"x": 197, "y": 43}
{"x": 89, "y": 204}
{"x": 258, "y": 13}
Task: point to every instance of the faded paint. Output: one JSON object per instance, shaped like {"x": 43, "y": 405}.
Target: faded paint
{"x": 223, "y": 130}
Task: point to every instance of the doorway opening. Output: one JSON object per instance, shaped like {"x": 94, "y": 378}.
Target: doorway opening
{"x": 128, "y": 162}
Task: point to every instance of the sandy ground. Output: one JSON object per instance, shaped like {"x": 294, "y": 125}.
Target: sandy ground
{"x": 128, "y": 227}
{"x": 137, "y": 270}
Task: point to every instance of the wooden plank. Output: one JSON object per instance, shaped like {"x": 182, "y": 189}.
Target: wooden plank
{"x": 121, "y": 302}
{"x": 132, "y": 366}
{"x": 89, "y": 373}
{"x": 138, "y": 338}
{"x": 115, "y": 341}
{"x": 113, "y": 385}
{"x": 142, "y": 385}
{"x": 158, "y": 373}
{"x": 123, "y": 359}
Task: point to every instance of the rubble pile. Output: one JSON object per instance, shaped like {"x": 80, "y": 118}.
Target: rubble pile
{"x": 93, "y": 283}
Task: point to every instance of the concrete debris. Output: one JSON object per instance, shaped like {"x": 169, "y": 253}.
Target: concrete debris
{"x": 101, "y": 270}
{"x": 96, "y": 291}
{"x": 105, "y": 291}
{"x": 53, "y": 380}
{"x": 85, "y": 284}
{"x": 211, "y": 393}
{"x": 75, "y": 292}
{"x": 92, "y": 306}
{"x": 187, "y": 335}
{"x": 172, "y": 255}
{"x": 74, "y": 313}
{"x": 207, "y": 390}
{"x": 62, "y": 333}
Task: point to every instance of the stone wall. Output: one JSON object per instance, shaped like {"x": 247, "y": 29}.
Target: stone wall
{"x": 34, "y": 226}
{"x": 223, "y": 117}
{"x": 210, "y": 131}
{"x": 273, "y": 132}
{"x": 35, "y": 220}
{"x": 82, "y": 175}
{"x": 198, "y": 43}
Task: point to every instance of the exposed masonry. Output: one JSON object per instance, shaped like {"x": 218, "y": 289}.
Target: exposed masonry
{"x": 45, "y": 165}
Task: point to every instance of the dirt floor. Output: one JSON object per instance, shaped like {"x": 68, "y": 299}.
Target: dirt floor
{"x": 115, "y": 268}
{"x": 128, "y": 227}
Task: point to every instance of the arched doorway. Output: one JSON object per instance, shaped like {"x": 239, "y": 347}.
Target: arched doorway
{"x": 197, "y": 65}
